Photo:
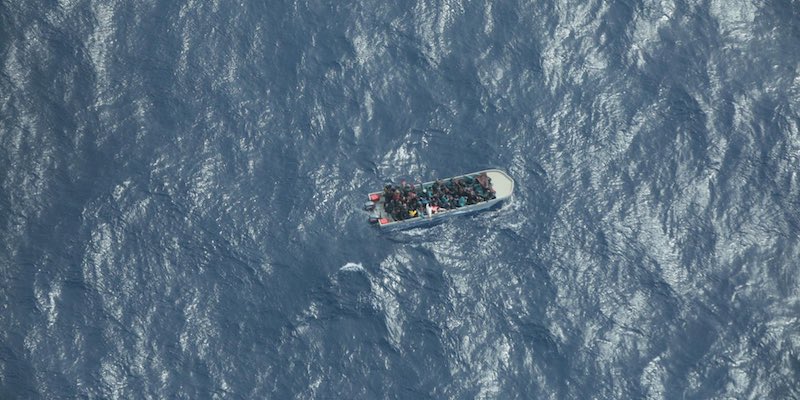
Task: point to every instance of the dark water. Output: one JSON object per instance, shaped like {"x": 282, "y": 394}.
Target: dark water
{"x": 181, "y": 184}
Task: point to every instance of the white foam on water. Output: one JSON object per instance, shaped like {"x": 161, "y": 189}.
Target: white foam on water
{"x": 386, "y": 291}
{"x": 352, "y": 267}
{"x": 102, "y": 41}
{"x": 735, "y": 18}
{"x": 646, "y": 29}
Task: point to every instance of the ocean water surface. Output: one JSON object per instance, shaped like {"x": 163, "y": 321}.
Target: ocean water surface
{"x": 181, "y": 183}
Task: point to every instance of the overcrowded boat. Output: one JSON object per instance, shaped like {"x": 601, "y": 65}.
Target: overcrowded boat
{"x": 409, "y": 205}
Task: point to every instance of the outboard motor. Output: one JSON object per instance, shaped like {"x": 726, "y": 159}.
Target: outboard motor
{"x": 369, "y": 206}
{"x": 373, "y": 219}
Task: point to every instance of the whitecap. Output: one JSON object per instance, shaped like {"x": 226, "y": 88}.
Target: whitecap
{"x": 352, "y": 267}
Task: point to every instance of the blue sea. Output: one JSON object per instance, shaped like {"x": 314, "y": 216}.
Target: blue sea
{"x": 182, "y": 181}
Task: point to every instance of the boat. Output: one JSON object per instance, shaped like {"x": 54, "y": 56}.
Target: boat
{"x": 488, "y": 188}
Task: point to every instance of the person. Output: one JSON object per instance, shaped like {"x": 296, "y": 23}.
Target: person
{"x": 387, "y": 192}
{"x": 483, "y": 180}
{"x": 444, "y": 201}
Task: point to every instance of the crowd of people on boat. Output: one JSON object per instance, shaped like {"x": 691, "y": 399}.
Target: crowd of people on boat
{"x": 406, "y": 201}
